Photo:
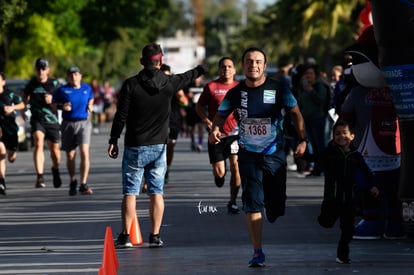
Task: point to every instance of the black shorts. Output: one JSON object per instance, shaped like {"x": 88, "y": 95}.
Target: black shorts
{"x": 10, "y": 140}
{"x": 51, "y": 130}
{"x": 222, "y": 150}
{"x": 9, "y": 135}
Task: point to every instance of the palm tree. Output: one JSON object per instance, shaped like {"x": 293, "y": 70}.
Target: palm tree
{"x": 305, "y": 27}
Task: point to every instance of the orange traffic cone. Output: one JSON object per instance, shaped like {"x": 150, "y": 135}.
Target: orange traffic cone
{"x": 135, "y": 232}
{"x": 109, "y": 259}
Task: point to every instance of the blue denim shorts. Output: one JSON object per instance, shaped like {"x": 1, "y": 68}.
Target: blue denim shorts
{"x": 147, "y": 161}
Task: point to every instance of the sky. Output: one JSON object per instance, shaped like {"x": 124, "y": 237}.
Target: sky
{"x": 261, "y": 4}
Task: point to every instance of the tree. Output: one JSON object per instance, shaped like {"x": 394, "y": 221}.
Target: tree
{"x": 8, "y": 11}
{"x": 50, "y": 29}
{"x": 318, "y": 28}
{"x": 124, "y": 28}
{"x": 103, "y": 37}
{"x": 223, "y": 22}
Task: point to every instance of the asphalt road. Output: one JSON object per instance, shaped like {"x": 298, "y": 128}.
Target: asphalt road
{"x": 45, "y": 231}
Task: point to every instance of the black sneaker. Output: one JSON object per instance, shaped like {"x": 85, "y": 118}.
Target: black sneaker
{"x": 314, "y": 174}
{"x": 40, "y": 183}
{"x": 155, "y": 241}
{"x": 3, "y": 188}
{"x": 343, "y": 261}
{"x": 72, "y": 188}
{"x": 57, "y": 182}
{"x": 123, "y": 241}
{"x": 232, "y": 208}
{"x": 85, "y": 190}
{"x": 219, "y": 181}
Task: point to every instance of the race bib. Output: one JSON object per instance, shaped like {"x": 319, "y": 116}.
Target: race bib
{"x": 256, "y": 134}
{"x": 256, "y": 127}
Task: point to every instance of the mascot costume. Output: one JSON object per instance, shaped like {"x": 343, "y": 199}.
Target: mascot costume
{"x": 370, "y": 111}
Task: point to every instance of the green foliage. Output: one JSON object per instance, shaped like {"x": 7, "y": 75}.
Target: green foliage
{"x": 303, "y": 28}
{"x": 175, "y": 19}
{"x": 223, "y": 22}
{"x": 104, "y": 37}
{"x": 9, "y": 9}
{"x": 124, "y": 27}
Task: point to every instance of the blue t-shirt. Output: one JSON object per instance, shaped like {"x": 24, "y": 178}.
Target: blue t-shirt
{"x": 259, "y": 114}
{"x": 79, "y": 99}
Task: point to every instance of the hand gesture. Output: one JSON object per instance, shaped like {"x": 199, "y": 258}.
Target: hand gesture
{"x": 113, "y": 151}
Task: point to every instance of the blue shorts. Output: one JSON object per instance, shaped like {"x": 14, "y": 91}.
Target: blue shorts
{"x": 148, "y": 161}
{"x": 263, "y": 179}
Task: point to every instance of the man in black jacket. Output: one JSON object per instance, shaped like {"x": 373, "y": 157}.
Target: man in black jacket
{"x": 144, "y": 105}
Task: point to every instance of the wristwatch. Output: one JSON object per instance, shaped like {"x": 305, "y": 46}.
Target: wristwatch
{"x": 305, "y": 139}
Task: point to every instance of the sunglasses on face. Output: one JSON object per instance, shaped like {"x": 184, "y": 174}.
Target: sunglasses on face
{"x": 41, "y": 69}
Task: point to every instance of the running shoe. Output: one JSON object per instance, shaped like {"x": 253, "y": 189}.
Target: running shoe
{"x": 123, "y": 241}
{"x": 57, "y": 182}
{"x": 343, "y": 261}
{"x": 40, "y": 183}
{"x": 85, "y": 190}
{"x": 313, "y": 175}
{"x": 199, "y": 148}
{"x": 367, "y": 230}
{"x": 155, "y": 241}
{"x": 232, "y": 208}
{"x": 258, "y": 259}
{"x": 72, "y": 188}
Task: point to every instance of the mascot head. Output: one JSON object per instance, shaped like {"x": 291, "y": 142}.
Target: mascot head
{"x": 365, "y": 66}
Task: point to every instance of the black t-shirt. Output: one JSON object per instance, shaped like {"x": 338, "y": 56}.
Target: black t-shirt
{"x": 38, "y": 107}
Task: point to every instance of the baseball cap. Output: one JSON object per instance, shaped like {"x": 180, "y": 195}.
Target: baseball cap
{"x": 41, "y": 63}
{"x": 73, "y": 69}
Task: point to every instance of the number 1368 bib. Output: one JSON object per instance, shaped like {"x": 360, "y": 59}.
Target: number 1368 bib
{"x": 256, "y": 132}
